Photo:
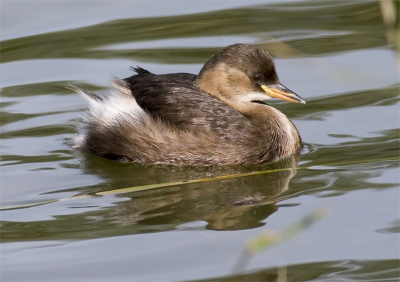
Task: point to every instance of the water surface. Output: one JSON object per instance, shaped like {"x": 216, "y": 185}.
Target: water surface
{"x": 335, "y": 54}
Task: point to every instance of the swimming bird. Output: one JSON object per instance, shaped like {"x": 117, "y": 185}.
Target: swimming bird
{"x": 218, "y": 117}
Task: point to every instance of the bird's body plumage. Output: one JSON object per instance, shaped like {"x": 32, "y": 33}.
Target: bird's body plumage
{"x": 169, "y": 119}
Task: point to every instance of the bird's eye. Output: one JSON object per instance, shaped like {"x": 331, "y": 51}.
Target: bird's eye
{"x": 256, "y": 78}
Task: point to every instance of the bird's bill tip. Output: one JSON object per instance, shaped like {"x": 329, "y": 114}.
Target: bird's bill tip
{"x": 281, "y": 92}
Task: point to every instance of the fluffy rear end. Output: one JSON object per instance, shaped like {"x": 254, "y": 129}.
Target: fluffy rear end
{"x": 116, "y": 127}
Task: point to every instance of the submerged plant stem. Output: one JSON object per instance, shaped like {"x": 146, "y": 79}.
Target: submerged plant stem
{"x": 202, "y": 180}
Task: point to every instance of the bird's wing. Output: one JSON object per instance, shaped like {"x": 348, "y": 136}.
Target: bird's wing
{"x": 174, "y": 99}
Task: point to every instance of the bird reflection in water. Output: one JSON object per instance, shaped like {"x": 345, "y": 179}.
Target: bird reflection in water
{"x": 229, "y": 204}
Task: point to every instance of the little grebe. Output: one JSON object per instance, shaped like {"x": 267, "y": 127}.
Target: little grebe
{"x": 218, "y": 117}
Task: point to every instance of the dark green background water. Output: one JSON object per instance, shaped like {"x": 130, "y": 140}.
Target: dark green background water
{"x": 335, "y": 54}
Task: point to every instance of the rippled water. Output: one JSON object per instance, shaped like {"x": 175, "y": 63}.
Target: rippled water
{"x": 332, "y": 53}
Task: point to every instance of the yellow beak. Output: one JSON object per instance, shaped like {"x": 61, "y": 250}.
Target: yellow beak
{"x": 281, "y": 92}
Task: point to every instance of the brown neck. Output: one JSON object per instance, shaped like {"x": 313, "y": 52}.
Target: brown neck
{"x": 278, "y": 131}
{"x": 222, "y": 82}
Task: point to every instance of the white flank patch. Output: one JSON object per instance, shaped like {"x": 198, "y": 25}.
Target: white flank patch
{"x": 115, "y": 107}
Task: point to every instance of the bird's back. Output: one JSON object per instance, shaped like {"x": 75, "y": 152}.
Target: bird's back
{"x": 165, "y": 119}
{"x": 174, "y": 99}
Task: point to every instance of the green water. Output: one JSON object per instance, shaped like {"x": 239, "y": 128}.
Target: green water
{"x": 334, "y": 54}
